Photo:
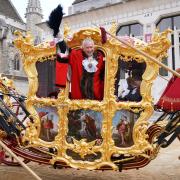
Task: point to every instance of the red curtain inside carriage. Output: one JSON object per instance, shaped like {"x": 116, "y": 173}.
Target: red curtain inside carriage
{"x": 46, "y": 79}
{"x": 170, "y": 99}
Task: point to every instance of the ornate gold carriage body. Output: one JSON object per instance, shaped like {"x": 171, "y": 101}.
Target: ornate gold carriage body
{"x": 104, "y": 151}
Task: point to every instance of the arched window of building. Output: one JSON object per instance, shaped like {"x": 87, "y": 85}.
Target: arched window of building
{"x": 37, "y": 40}
{"x": 135, "y": 30}
{"x": 17, "y": 62}
{"x": 172, "y": 22}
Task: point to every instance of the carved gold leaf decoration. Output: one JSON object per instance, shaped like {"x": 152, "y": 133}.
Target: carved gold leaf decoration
{"x": 82, "y": 147}
{"x": 113, "y": 50}
{"x": 2, "y": 134}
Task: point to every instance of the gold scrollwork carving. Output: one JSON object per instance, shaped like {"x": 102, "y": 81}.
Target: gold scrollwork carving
{"x": 108, "y": 107}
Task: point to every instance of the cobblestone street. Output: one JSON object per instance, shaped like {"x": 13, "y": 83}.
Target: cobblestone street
{"x": 165, "y": 167}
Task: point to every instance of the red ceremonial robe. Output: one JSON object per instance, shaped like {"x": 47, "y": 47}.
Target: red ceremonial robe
{"x": 75, "y": 61}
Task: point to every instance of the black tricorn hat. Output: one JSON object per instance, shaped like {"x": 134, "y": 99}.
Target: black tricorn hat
{"x": 55, "y": 19}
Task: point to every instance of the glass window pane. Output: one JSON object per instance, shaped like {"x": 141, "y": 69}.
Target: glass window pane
{"x": 177, "y": 22}
{"x": 122, "y": 74}
{"x": 162, "y": 71}
{"x": 165, "y": 24}
{"x": 17, "y": 62}
{"x": 136, "y": 30}
{"x": 173, "y": 57}
{"x": 124, "y": 31}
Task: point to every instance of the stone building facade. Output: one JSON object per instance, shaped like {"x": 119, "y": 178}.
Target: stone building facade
{"x": 10, "y": 20}
{"x": 10, "y": 64}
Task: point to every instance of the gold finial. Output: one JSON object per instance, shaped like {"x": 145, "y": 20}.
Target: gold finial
{"x": 113, "y": 28}
{"x": 29, "y": 38}
{"x": 67, "y": 30}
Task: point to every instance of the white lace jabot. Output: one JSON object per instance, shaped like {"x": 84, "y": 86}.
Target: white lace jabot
{"x": 90, "y": 65}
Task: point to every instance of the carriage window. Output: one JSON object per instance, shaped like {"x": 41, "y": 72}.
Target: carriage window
{"x": 87, "y": 73}
{"x": 85, "y": 83}
{"x": 127, "y": 87}
{"x": 46, "y": 79}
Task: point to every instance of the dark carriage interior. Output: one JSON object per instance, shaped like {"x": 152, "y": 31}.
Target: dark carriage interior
{"x": 128, "y": 80}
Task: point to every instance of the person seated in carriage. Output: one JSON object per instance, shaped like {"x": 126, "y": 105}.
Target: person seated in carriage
{"x": 83, "y": 67}
{"x": 129, "y": 88}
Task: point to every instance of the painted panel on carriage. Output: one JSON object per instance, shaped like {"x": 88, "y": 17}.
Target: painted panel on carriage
{"x": 84, "y": 124}
{"x": 128, "y": 80}
{"x": 123, "y": 123}
{"x": 49, "y": 123}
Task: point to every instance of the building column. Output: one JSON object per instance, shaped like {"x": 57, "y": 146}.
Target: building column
{"x": 1, "y": 57}
{"x": 177, "y": 48}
